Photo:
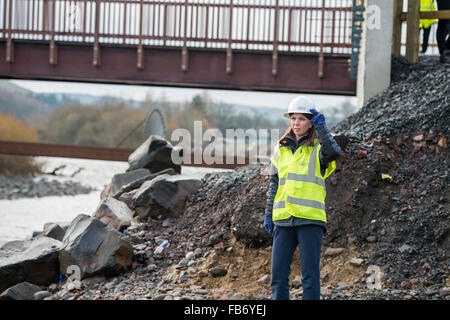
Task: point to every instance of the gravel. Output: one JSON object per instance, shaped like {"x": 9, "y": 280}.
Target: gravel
{"x": 29, "y": 187}
{"x": 418, "y": 98}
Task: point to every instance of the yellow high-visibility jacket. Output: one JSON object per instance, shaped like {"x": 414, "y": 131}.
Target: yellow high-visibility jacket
{"x": 301, "y": 190}
{"x": 426, "y": 5}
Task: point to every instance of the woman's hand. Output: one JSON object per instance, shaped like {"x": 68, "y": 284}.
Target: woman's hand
{"x": 318, "y": 118}
{"x": 268, "y": 223}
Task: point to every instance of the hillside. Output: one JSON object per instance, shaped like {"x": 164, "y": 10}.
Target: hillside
{"x": 20, "y": 102}
{"x": 25, "y": 103}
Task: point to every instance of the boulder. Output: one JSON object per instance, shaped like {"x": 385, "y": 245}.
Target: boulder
{"x": 122, "y": 183}
{"x": 21, "y": 291}
{"x": 132, "y": 177}
{"x": 167, "y": 194}
{"x": 114, "y": 213}
{"x": 154, "y": 154}
{"x": 34, "y": 261}
{"x": 54, "y": 231}
{"x": 95, "y": 248}
{"x": 127, "y": 198}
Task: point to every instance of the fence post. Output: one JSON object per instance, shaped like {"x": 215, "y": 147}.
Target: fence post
{"x": 413, "y": 31}
{"x": 397, "y": 28}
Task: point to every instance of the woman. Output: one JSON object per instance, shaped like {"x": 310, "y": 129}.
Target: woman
{"x": 295, "y": 209}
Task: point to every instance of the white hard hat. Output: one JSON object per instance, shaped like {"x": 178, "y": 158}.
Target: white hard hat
{"x": 300, "y": 104}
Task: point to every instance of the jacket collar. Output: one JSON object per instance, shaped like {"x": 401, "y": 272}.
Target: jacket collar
{"x": 289, "y": 140}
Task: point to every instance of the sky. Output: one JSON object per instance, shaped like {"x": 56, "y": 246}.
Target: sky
{"x": 138, "y": 93}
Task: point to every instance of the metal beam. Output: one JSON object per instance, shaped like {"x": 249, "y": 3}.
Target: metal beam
{"x": 440, "y": 14}
{"x": 38, "y": 149}
{"x": 63, "y": 151}
{"x": 252, "y": 70}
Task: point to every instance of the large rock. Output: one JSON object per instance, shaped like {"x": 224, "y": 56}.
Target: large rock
{"x": 34, "y": 261}
{"x": 94, "y": 247}
{"x": 114, "y": 213}
{"x": 21, "y": 291}
{"x": 154, "y": 154}
{"x": 54, "y": 231}
{"x": 125, "y": 182}
{"x": 166, "y": 192}
{"x": 132, "y": 177}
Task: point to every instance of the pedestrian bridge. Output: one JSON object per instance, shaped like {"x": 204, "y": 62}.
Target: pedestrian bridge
{"x": 269, "y": 45}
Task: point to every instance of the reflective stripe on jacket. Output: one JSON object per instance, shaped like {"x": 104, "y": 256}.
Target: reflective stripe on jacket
{"x": 301, "y": 191}
{"x": 426, "y": 5}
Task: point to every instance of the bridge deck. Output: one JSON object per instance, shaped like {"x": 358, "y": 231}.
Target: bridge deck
{"x": 237, "y": 44}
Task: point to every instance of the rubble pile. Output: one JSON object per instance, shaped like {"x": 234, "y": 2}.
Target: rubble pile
{"x": 418, "y": 99}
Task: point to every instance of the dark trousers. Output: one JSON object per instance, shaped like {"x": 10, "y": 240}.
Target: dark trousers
{"x": 443, "y": 28}
{"x": 426, "y": 36}
{"x": 441, "y": 35}
{"x": 285, "y": 241}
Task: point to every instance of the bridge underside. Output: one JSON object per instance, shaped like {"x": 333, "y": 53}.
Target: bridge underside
{"x": 206, "y": 68}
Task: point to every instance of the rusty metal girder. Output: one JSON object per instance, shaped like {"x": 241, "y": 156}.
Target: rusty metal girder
{"x": 206, "y": 68}
{"x": 63, "y": 151}
{"x": 100, "y": 153}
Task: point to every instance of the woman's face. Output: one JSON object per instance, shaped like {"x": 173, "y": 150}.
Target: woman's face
{"x": 300, "y": 124}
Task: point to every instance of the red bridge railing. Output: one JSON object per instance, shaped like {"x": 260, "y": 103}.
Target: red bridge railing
{"x": 262, "y": 25}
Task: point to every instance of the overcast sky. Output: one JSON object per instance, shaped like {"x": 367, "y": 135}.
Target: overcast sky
{"x": 138, "y": 92}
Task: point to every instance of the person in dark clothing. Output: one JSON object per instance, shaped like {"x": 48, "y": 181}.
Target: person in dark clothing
{"x": 443, "y": 32}
{"x": 295, "y": 208}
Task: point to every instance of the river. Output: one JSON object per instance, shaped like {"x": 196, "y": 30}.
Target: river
{"x": 20, "y": 217}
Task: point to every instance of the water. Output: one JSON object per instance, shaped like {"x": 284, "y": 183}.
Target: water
{"x": 20, "y": 217}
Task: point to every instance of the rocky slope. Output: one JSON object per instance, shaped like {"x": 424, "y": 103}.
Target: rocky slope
{"x": 418, "y": 99}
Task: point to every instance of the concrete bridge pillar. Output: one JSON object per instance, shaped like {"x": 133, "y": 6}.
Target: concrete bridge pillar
{"x": 374, "y": 69}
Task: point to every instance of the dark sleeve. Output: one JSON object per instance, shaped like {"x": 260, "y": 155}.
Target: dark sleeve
{"x": 329, "y": 151}
{"x": 271, "y": 192}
